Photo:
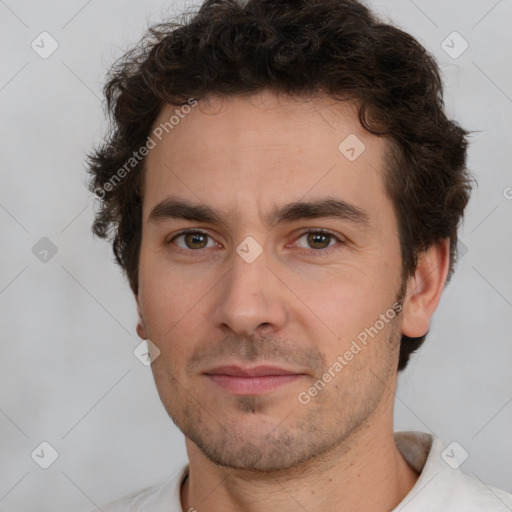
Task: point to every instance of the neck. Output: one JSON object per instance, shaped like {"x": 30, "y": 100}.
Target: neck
{"x": 366, "y": 473}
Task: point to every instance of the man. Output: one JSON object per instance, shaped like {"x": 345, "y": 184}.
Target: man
{"x": 284, "y": 189}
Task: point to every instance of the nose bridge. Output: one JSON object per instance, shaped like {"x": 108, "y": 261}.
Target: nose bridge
{"x": 250, "y": 295}
{"x": 249, "y": 276}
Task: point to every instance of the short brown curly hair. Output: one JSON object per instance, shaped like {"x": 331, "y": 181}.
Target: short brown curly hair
{"x": 336, "y": 47}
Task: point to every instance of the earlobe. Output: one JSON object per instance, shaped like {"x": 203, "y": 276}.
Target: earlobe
{"x": 141, "y": 328}
{"x": 424, "y": 289}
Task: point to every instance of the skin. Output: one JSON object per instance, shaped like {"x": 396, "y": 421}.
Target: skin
{"x": 294, "y": 306}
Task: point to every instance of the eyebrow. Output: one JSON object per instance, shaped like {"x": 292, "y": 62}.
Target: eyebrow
{"x": 173, "y": 208}
{"x": 323, "y": 208}
{"x": 179, "y": 209}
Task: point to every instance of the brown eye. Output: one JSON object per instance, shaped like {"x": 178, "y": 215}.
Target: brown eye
{"x": 193, "y": 240}
{"x": 319, "y": 240}
{"x": 196, "y": 240}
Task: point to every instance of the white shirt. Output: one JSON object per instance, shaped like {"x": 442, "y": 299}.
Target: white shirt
{"x": 439, "y": 488}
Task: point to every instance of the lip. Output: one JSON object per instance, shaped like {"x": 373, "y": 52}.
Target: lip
{"x": 251, "y": 381}
{"x": 257, "y": 371}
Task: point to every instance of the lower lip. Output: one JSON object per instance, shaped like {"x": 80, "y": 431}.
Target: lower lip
{"x": 252, "y": 385}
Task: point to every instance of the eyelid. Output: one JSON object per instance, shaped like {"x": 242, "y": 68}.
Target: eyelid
{"x": 304, "y": 231}
{"x": 322, "y": 231}
{"x": 183, "y": 232}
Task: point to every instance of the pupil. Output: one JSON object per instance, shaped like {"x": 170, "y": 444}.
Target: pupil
{"x": 194, "y": 240}
{"x": 318, "y": 238}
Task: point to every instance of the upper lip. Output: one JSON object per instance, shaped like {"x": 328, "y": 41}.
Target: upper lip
{"x": 257, "y": 371}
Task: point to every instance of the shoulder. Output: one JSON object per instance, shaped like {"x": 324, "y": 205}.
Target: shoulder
{"x": 163, "y": 497}
{"x": 443, "y": 485}
{"x": 455, "y": 492}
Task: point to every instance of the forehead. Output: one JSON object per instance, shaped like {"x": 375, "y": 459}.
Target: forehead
{"x": 260, "y": 151}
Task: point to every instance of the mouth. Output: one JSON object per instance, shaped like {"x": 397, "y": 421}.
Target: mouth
{"x": 251, "y": 381}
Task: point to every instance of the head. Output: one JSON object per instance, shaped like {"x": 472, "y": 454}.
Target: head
{"x": 280, "y": 180}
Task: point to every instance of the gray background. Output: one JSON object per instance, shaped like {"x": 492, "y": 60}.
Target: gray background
{"x": 69, "y": 376}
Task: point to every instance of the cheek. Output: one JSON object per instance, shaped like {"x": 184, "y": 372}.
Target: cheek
{"x": 169, "y": 302}
{"x": 344, "y": 296}
{"x": 345, "y": 304}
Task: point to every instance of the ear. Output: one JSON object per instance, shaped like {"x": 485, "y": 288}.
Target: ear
{"x": 424, "y": 289}
{"x": 141, "y": 328}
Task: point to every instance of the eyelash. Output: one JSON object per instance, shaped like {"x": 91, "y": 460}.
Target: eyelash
{"x": 320, "y": 252}
{"x": 316, "y": 252}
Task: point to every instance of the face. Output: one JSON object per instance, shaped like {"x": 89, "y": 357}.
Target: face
{"x": 269, "y": 267}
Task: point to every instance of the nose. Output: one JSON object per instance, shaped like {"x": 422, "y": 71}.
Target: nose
{"x": 251, "y": 299}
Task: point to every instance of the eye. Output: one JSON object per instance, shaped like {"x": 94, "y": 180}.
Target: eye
{"x": 193, "y": 240}
{"x": 317, "y": 240}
